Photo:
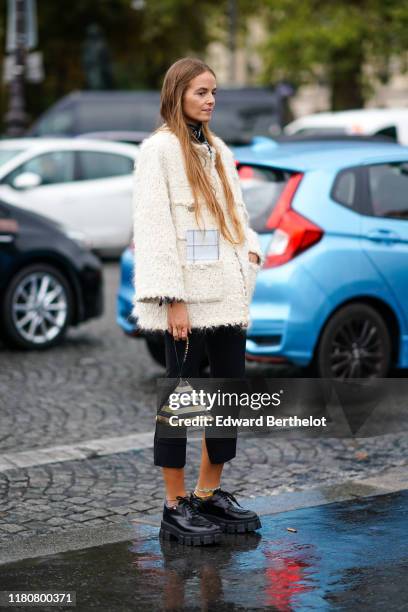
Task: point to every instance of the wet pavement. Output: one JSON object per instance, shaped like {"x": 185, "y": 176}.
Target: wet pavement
{"x": 76, "y": 437}
{"x": 348, "y": 555}
{"x": 77, "y": 425}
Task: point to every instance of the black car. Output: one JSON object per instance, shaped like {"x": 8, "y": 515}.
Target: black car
{"x": 48, "y": 280}
{"x": 241, "y": 113}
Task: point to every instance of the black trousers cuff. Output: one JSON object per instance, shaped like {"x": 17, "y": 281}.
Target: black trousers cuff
{"x": 169, "y": 452}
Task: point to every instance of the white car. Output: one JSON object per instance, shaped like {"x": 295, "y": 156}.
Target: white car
{"x": 84, "y": 184}
{"x": 392, "y": 122}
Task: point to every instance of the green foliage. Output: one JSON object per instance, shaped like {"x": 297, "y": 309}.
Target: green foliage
{"x": 311, "y": 40}
{"x": 307, "y": 41}
{"x": 143, "y": 43}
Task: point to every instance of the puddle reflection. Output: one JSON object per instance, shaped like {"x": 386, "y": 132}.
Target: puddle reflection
{"x": 348, "y": 555}
{"x": 245, "y": 571}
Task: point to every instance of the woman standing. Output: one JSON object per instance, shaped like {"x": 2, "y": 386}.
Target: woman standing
{"x": 195, "y": 272}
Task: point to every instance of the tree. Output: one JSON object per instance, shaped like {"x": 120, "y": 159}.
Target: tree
{"x": 347, "y": 44}
{"x": 142, "y": 43}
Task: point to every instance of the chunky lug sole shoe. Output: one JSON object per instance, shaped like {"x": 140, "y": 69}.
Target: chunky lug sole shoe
{"x": 227, "y": 526}
{"x": 186, "y": 525}
{"x": 220, "y": 510}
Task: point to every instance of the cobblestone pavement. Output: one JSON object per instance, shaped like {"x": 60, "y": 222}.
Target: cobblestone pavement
{"x": 109, "y": 489}
{"x": 101, "y": 384}
{"x": 98, "y": 383}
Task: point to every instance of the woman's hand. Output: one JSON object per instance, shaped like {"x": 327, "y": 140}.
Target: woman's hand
{"x": 178, "y": 321}
{"x": 253, "y": 257}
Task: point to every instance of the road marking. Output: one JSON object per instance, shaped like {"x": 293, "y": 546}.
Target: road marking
{"x": 79, "y": 450}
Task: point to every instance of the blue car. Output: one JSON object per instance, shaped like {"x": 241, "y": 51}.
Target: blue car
{"x": 333, "y": 222}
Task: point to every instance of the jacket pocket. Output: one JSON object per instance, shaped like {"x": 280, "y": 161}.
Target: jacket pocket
{"x": 253, "y": 269}
{"x": 204, "y": 281}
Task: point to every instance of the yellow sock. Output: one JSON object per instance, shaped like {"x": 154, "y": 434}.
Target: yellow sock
{"x": 204, "y": 493}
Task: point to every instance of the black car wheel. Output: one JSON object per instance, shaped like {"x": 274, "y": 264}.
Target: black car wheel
{"x": 354, "y": 344}
{"x": 37, "y": 307}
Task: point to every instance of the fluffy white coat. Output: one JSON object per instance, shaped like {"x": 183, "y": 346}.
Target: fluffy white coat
{"x": 216, "y": 292}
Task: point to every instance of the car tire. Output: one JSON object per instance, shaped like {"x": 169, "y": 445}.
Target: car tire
{"x": 40, "y": 292}
{"x": 355, "y": 343}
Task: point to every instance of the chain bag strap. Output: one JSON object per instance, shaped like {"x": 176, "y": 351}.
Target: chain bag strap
{"x": 187, "y": 409}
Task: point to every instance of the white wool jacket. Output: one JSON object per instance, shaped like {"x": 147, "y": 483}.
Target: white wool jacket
{"x": 216, "y": 288}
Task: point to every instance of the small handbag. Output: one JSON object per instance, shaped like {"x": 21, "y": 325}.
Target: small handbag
{"x": 187, "y": 409}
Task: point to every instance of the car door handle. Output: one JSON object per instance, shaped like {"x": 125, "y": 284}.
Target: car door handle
{"x": 383, "y": 235}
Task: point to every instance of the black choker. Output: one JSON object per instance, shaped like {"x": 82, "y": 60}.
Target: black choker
{"x": 197, "y": 131}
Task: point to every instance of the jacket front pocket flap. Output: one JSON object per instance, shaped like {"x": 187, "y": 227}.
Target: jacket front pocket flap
{"x": 189, "y": 204}
{"x": 204, "y": 281}
{"x": 184, "y": 217}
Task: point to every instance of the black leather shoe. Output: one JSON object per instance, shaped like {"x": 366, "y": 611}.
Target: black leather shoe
{"x": 220, "y": 509}
{"x": 185, "y": 524}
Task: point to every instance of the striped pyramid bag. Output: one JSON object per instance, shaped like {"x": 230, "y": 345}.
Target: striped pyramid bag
{"x": 187, "y": 408}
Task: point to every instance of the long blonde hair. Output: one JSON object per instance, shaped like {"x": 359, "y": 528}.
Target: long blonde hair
{"x": 175, "y": 83}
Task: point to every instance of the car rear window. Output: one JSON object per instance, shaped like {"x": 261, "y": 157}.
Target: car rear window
{"x": 388, "y": 185}
{"x": 261, "y": 189}
{"x": 345, "y": 186}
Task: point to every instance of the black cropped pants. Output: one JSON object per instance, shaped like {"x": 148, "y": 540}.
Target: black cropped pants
{"x": 225, "y": 348}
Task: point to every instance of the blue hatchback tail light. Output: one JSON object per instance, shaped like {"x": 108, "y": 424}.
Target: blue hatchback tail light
{"x": 293, "y": 232}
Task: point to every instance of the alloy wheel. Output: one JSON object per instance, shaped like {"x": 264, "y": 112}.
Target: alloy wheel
{"x": 356, "y": 350}
{"x": 39, "y": 307}
{"x": 354, "y": 343}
